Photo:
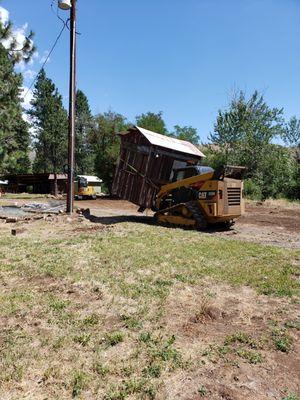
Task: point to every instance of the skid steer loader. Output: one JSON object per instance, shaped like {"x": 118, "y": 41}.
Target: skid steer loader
{"x": 199, "y": 196}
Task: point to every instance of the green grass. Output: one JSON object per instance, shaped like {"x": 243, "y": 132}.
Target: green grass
{"x": 87, "y": 311}
{"x": 78, "y": 384}
{"x": 253, "y": 357}
{"x": 290, "y": 397}
{"x": 113, "y": 338}
{"x": 282, "y": 341}
{"x": 169, "y": 254}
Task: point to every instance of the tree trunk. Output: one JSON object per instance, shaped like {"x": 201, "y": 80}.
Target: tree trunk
{"x": 55, "y": 185}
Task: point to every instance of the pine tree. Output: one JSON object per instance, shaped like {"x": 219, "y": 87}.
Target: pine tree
{"x": 17, "y": 50}
{"x": 50, "y": 122}
{"x": 14, "y": 134}
{"x": 83, "y": 152}
{"x": 14, "y": 131}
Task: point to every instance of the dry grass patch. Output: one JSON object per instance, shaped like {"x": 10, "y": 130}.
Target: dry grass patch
{"x": 126, "y": 312}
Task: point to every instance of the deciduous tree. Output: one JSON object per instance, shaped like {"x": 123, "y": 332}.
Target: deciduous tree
{"x": 105, "y": 143}
{"x": 243, "y": 135}
{"x": 153, "y": 122}
{"x": 186, "y": 133}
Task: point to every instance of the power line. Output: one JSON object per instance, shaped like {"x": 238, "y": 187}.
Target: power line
{"x": 56, "y": 13}
{"x": 48, "y": 56}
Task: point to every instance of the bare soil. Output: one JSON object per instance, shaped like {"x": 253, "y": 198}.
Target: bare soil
{"x": 223, "y": 370}
{"x": 275, "y": 225}
{"x": 233, "y": 340}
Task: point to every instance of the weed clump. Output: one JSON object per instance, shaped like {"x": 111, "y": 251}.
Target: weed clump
{"x": 130, "y": 322}
{"x": 100, "y": 369}
{"x": 253, "y": 357}
{"x": 282, "y": 341}
{"x": 241, "y": 337}
{"x": 91, "y": 320}
{"x": 291, "y": 397}
{"x": 202, "y": 390}
{"x": 129, "y": 388}
{"x": 82, "y": 339}
{"x": 113, "y": 338}
{"x": 78, "y": 384}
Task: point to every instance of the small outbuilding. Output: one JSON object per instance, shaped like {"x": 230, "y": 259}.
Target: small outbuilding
{"x": 41, "y": 183}
{"x": 146, "y": 162}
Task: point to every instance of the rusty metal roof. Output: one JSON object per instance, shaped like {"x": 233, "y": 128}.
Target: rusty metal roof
{"x": 170, "y": 143}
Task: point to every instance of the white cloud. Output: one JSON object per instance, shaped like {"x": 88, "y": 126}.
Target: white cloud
{"x": 26, "y": 117}
{"x": 21, "y": 66}
{"x": 35, "y": 56}
{"x": 43, "y": 58}
{"x": 4, "y": 15}
{"x": 26, "y": 95}
{"x": 18, "y": 34}
{"x": 29, "y": 74}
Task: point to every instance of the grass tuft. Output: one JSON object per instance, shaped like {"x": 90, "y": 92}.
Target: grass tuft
{"x": 253, "y": 357}
{"x": 78, "y": 383}
{"x": 113, "y": 338}
{"x": 282, "y": 341}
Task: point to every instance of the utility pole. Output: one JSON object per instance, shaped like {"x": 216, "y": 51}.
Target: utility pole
{"x": 72, "y": 95}
{"x": 71, "y": 5}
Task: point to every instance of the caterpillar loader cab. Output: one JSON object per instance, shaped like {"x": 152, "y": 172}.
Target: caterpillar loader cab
{"x": 198, "y": 196}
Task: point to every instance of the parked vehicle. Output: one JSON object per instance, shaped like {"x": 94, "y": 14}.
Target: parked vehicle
{"x": 87, "y": 187}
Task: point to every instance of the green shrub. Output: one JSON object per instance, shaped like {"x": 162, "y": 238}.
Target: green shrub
{"x": 252, "y": 189}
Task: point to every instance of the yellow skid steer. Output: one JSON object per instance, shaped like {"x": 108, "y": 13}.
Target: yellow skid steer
{"x": 198, "y": 196}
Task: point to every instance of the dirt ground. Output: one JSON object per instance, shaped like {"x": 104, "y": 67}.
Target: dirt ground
{"x": 235, "y": 342}
{"x": 274, "y": 224}
{"x": 228, "y": 319}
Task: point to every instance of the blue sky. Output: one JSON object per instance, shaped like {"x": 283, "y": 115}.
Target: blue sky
{"x": 182, "y": 57}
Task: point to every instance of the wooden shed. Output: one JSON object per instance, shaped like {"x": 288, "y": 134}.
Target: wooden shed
{"x": 146, "y": 162}
{"x": 41, "y": 183}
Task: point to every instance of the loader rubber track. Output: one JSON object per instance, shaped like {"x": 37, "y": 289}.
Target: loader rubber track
{"x": 198, "y": 216}
{"x": 193, "y": 207}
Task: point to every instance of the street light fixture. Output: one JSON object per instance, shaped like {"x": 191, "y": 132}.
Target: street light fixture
{"x": 71, "y": 5}
{"x": 64, "y": 4}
